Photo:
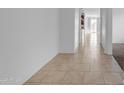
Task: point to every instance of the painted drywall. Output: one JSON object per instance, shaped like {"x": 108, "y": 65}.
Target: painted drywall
{"x": 67, "y": 30}
{"x": 103, "y": 30}
{"x": 106, "y": 30}
{"x": 92, "y": 12}
{"x": 109, "y": 32}
{"x": 28, "y": 40}
{"x": 118, "y": 25}
{"x": 77, "y": 27}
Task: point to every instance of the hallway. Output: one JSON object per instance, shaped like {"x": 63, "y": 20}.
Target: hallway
{"x": 88, "y": 66}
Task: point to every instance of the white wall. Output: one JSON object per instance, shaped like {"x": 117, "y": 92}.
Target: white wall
{"x": 106, "y": 30}
{"x": 67, "y": 30}
{"x": 103, "y": 27}
{"x": 92, "y": 12}
{"x": 28, "y": 40}
{"x": 118, "y": 25}
{"x": 77, "y": 27}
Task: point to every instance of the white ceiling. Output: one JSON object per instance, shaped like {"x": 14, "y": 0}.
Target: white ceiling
{"x": 93, "y": 12}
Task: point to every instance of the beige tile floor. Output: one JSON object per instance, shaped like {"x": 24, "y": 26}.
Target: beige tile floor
{"x": 89, "y": 66}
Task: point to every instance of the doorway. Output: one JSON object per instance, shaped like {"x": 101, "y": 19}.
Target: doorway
{"x": 89, "y": 24}
{"x": 82, "y": 28}
{"x": 93, "y": 25}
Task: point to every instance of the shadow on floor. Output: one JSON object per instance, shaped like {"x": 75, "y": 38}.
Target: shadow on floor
{"x": 118, "y": 53}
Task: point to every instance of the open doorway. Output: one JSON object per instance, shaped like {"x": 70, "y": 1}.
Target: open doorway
{"x": 82, "y": 27}
{"x": 93, "y": 25}
{"x": 89, "y": 27}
